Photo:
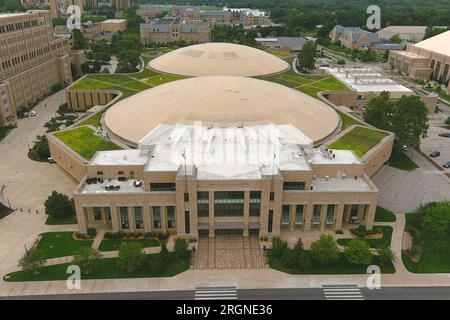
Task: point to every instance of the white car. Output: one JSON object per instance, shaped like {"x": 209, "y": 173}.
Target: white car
{"x": 33, "y": 113}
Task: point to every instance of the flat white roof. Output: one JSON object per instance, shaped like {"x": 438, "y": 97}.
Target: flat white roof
{"x": 366, "y": 80}
{"x": 349, "y": 184}
{"x": 114, "y": 21}
{"x": 119, "y": 157}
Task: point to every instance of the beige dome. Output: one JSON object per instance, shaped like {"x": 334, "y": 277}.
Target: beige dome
{"x": 219, "y": 59}
{"x": 222, "y": 101}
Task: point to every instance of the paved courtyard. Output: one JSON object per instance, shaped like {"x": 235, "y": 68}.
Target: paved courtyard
{"x": 229, "y": 252}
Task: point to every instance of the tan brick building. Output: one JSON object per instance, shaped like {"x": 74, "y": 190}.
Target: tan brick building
{"x": 192, "y": 180}
{"x": 428, "y": 59}
{"x": 171, "y": 30}
{"x": 32, "y": 60}
{"x": 113, "y": 25}
{"x": 121, "y": 4}
{"x": 354, "y": 37}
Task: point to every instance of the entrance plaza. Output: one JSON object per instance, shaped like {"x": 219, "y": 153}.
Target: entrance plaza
{"x": 193, "y": 180}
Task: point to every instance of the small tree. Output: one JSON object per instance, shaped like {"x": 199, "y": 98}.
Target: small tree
{"x": 32, "y": 260}
{"x": 131, "y": 256}
{"x": 386, "y": 255}
{"x": 59, "y": 206}
{"x": 325, "y": 250}
{"x": 289, "y": 259}
{"x": 379, "y": 111}
{"x": 181, "y": 248}
{"x": 358, "y": 252}
{"x": 299, "y": 247}
{"x": 40, "y": 150}
{"x": 279, "y": 247}
{"x": 164, "y": 253}
{"x": 87, "y": 259}
{"x": 306, "y": 56}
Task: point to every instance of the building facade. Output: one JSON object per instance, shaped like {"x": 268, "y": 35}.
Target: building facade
{"x": 428, "y": 59}
{"x": 113, "y": 25}
{"x": 32, "y": 60}
{"x": 225, "y": 184}
{"x": 172, "y": 30}
{"x": 354, "y": 37}
{"x": 121, "y": 4}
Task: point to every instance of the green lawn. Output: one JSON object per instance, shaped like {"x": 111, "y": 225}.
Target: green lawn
{"x": 51, "y": 221}
{"x": 107, "y": 270}
{"x": 4, "y": 130}
{"x": 325, "y": 84}
{"x": 340, "y": 267}
{"x": 159, "y": 79}
{"x": 113, "y": 244}
{"x": 348, "y": 121}
{"x": 374, "y": 243}
{"x": 401, "y": 161}
{"x": 359, "y": 139}
{"x": 60, "y": 244}
{"x": 384, "y": 215}
{"x": 83, "y": 141}
{"x": 432, "y": 259}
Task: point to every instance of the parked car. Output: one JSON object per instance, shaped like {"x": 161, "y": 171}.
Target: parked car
{"x": 445, "y": 134}
{"x": 25, "y": 114}
{"x": 51, "y": 160}
{"x": 435, "y": 154}
{"x": 33, "y": 113}
{"x": 446, "y": 165}
{"x": 405, "y": 148}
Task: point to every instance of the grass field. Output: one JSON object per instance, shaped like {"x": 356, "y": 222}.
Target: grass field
{"x": 384, "y": 215}
{"x": 401, "y": 161}
{"x": 359, "y": 139}
{"x": 60, "y": 244}
{"x": 374, "y": 243}
{"x": 107, "y": 269}
{"x": 83, "y": 141}
{"x": 4, "y": 130}
{"x": 113, "y": 244}
{"x": 51, "y": 221}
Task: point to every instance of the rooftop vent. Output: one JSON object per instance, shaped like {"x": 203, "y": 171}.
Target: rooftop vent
{"x": 240, "y": 125}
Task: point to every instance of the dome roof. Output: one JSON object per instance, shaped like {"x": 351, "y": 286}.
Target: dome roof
{"x": 219, "y": 59}
{"x": 222, "y": 101}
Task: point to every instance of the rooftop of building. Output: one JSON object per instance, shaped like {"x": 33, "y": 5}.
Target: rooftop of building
{"x": 355, "y": 33}
{"x": 295, "y": 43}
{"x": 366, "y": 80}
{"x": 213, "y": 59}
{"x": 222, "y": 101}
{"x": 114, "y": 21}
{"x": 439, "y": 44}
{"x": 238, "y": 153}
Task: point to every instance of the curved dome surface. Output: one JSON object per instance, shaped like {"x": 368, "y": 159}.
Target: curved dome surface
{"x": 219, "y": 59}
{"x": 223, "y": 101}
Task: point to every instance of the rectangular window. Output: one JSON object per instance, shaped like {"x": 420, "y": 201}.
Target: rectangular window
{"x": 330, "y": 214}
{"x": 124, "y": 218}
{"x": 255, "y": 203}
{"x": 229, "y": 203}
{"x": 138, "y": 218}
{"x": 272, "y": 196}
{"x": 203, "y": 203}
{"x": 171, "y": 217}
{"x": 97, "y": 213}
{"x": 445, "y": 74}
{"x": 270, "y": 222}
{"x": 187, "y": 223}
{"x": 162, "y": 187}
{"x": 186, "y": 196}
{"x": 316, "y": 214}
{"x": 285, "y": 216}
{"x": 156, "y": 217}
{"x": 293, "y": 185}
{"x": 299, "y": 215}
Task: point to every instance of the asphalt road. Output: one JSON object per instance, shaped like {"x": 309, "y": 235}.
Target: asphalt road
{"x": 389, "y": 293}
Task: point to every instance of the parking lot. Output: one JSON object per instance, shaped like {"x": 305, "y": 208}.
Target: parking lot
{"x": 434, "y": 142}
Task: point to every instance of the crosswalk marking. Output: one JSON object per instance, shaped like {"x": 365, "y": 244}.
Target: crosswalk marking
{"x": 342, "y": 292}
{"x": 216, "y": 293}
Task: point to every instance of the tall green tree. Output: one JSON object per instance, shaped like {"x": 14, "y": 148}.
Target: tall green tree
{"x": 131, "y": 257}
{"x": 410, "y": 121}
{"x": 87, "y": 259}
{"x": 79, "y": 42}
{"x": 307, "y": 55}
{"x": 325, "y": 250}
{"x": 59, "y": 206}
{"x": 379, "y": 111}
{"x": 358, "y": 252}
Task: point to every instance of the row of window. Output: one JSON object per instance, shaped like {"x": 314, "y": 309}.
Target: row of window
{"x": 18, "y": 26}
{"x": 138, "y": 217}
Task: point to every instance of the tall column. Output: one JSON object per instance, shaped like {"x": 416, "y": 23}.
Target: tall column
{"x": 339, "y": 216}
{"x": 164, "y": 218}
{"x": 114, "y": 219}
{"x": 146, "y": 218}
{"x": 370, "y": 215}
{"x": 131, "y": 220}
{"x": 323, "y": 218}
{"x": 211, "y": 214}
{"x": 308, "y": 212}
{"x": 291, "y": 217}
{"x": 81, "y": 217}
{"x": 246, "y": 212}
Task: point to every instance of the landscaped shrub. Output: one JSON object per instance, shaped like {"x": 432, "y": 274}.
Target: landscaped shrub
{"x": 279, "y": 247}
{"x": 181, "y": 248}
{"x": 299, "y": 247}
{"x": 59, "y": 206}
{"x": 91, "y": 232}
{"x": 386, "y": 256}
{"x": 289, "y": 259}
{"x": 304, "y": 260}
{"x": 358, "y": 252}
{"x": 164, "y": 253}
{"x": 32, "y": 260}
{"x": 40, "y": 151}
{"x": 325, "y": 250}
{"x": 155, "y": 265}
{"x": 149, "y": 235}
{"x": 87, "y": 259}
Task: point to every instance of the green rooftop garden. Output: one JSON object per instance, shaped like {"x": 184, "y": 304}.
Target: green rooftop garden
{"x": 83, "y": 141}
{"x": 360, "y": 140}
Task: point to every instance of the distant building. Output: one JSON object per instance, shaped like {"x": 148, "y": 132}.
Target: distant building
{"x": 32, "y": 60}
{"x": 283, "y": 44}
{"x": 171, "y": 30}
{"x": 354, "y": 37}
{"x": 385, "y": 46}
{"x": 91, "y": 3}
{"x": 407, "y": 33}
{"x": 254, "y": 18}
{"x": 121, "y": 4}
{"x": 428, "y": 59}
{"x": 113, "y": 25}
